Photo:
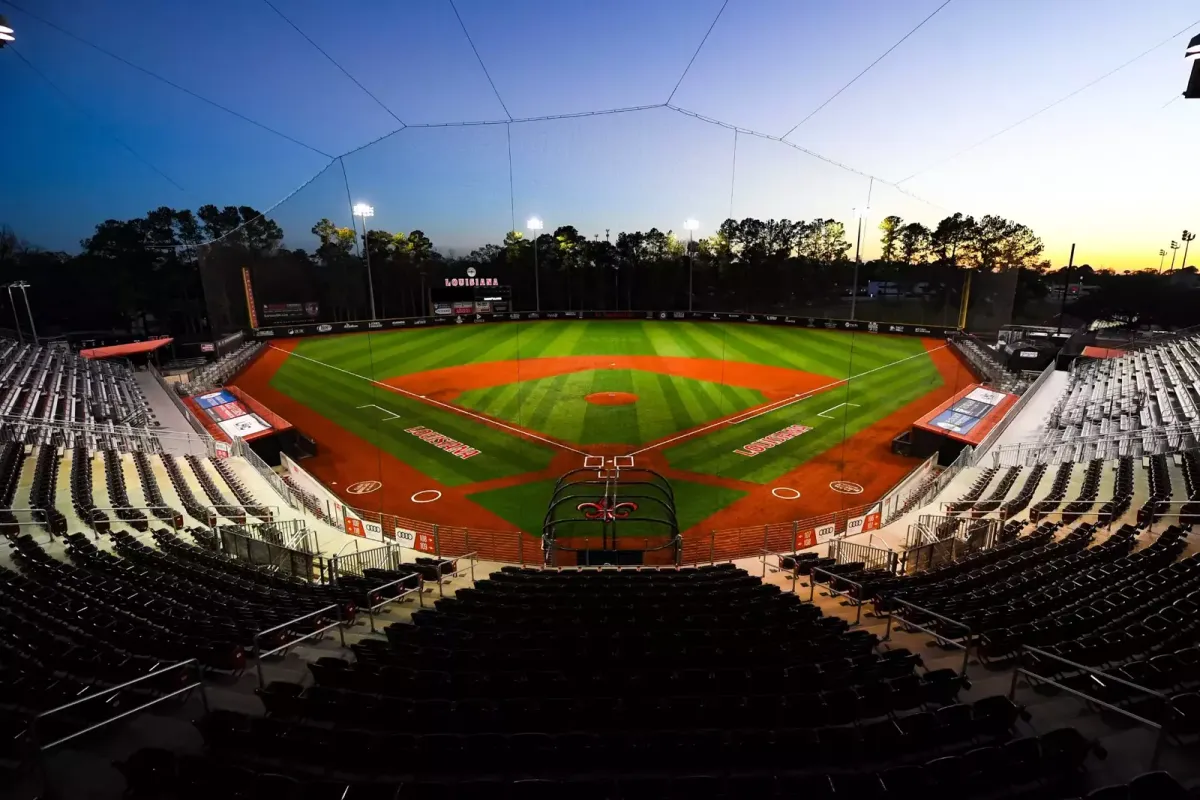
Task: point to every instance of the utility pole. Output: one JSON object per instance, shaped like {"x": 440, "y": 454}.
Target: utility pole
{"x": 1066, "y": 286}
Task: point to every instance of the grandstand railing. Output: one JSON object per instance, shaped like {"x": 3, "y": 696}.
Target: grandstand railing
{"x": 1154, "y": 441}
{"x": 37, "y": 724}
{"x": 240, "y": 448}
{"x": 1100, "y": 678}
{"x": 964, "y": 459}
{"x": 911, "y": 485}
{"x": 855, "y": 598}
{"x": 259, "y": 655}
{"x": 457, "y": 570}
{"x": 233, "y": 541}
{"x": 151, "y": 440}
{"x": 779, "y": 557}
{"x": 178, "y": 401}
{"x": 995, "y": 433}
{"x": 939, "y": 637}
{"x": 375, "y": 608}
{"x": 845, "y": 552}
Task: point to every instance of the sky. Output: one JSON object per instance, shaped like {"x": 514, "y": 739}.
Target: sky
{"x": 1112, "y": 169}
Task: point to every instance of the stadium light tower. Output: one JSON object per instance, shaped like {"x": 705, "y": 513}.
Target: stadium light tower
{"x": 6, "y": 32}
{"x": 1161, "y": 255}
{"x": 691, "y": 225}
{"x": 1174, "y": 249}
{"x": 534, "y": 224}
{"x": 1187, "y": 238}
{"x": 365, "y": 211}
{"x": 860, "y": 214}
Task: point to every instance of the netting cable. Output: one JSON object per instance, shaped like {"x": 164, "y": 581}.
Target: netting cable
{"x": 1057, "y": 102}
{"x": 333, "y": 61}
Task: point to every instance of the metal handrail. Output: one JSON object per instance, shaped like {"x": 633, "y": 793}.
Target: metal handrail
{"x": 965, "y": 644}
{"x": 1020, "y": 670}
{"x": 371, "y": 609}
{"x": 198, "y": 683}
{"x": 259, "y": 655}
{"x": 472, "y": 556}
{"x": 762, "y": 557}
{"x": 812, "y": 590}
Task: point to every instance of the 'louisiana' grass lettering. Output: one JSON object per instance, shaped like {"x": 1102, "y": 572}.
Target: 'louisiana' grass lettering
{"x": 767, "y": 442}
{"x": 451, "y": 446}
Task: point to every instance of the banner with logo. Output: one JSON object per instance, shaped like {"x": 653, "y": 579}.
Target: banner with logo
{"x": 445, "y": 313}
{"x": 825, "y": 532}
{"x": 354, "y": 526}
{"x": 865, "y": 522}
{"x": 806, "y": 539}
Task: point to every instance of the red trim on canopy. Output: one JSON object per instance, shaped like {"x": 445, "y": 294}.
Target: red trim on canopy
{"x": 1102, "y": 352}
{"x": 126, "y": 349}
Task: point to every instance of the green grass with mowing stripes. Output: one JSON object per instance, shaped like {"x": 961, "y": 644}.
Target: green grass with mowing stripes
{"x": 337, "y": 396}
{"x": 525, "y": 505}
{"x": 667, "y": 403}
{"x": 867, "y": 399}
{"x": 393, "y": 353}
{"x": 557, "y": 406}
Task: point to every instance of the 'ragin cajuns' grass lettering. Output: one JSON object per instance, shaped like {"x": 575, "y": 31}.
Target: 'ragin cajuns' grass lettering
{"x": 451, "y": 446}
{"x": 767, "y": 442}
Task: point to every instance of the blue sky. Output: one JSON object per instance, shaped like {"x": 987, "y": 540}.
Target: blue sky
{"x": 1110, "y": 169}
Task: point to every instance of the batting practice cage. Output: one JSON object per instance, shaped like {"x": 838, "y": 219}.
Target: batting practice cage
{"x": 454, "y": 351}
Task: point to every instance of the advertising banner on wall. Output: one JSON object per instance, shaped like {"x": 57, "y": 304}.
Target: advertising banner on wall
{"x": 334, "y": 508}
{"x": 445, "y": 313}
{"x": 865, "y": 522}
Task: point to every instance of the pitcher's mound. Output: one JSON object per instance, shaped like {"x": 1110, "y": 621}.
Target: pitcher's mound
{"x": 611, "y": 398}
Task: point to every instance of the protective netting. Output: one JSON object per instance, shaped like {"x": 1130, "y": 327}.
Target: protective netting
{"x": 773, "y": 230}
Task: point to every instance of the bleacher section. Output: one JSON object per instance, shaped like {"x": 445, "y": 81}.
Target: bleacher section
{"x": 990, "y": 367}
{"x": 41, "y": 386}
{"x": 221, "y": 370}
{"x": 1142, "y": 403}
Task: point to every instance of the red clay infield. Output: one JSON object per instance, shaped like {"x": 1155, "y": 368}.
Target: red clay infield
{"x": 611, "y": 398}
{"x": 864, "y": 458}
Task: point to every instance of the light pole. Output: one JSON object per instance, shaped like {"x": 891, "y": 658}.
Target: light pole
{"x": 365, "y": 211}
{"x": 1174, "y": 249}
{"x": 691, "y": 225}
{"x": 860, "y": 214}
{"x": 1161, "y": 255}
{"x": 534, "y": 224}
{"x": 22, "y": 285}
{"x": 6, "y": 32}
{"x": 16, "y": 317}
{"x": 1188, "y": 238}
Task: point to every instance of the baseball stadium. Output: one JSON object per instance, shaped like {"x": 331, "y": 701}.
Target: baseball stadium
{"x": 466, "y": 400}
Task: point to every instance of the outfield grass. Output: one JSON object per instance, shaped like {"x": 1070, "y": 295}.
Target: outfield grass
{"x": 394, "y": 353}
{"x": 334, "y": 376}
{"x": 557, "y": 406}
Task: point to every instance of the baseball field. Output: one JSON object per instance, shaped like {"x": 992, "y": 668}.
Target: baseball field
{"x": 470, "y": 425}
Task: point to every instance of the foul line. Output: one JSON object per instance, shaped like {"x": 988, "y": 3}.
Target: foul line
{"x": 438, "y": 403}
{"x": 778, "y": 404}
{"x": 839, "y": 405}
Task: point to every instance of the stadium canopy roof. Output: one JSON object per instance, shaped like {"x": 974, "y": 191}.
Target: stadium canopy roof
{"x": 133, "y": 348}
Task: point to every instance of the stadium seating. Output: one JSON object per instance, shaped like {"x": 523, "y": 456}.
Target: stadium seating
{"x": 988, "y": 364}
{"x": 43, "y": 385}
{"x": 212, "y": 375}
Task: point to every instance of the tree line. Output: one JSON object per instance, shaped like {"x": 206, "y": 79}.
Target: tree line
{"x": 180, "y": 272}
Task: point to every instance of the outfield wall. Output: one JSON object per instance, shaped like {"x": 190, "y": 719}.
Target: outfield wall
{"x": 361, "y": 326}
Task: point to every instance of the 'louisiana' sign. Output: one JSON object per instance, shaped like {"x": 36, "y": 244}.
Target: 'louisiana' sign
{"x": 455, "y": 282}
